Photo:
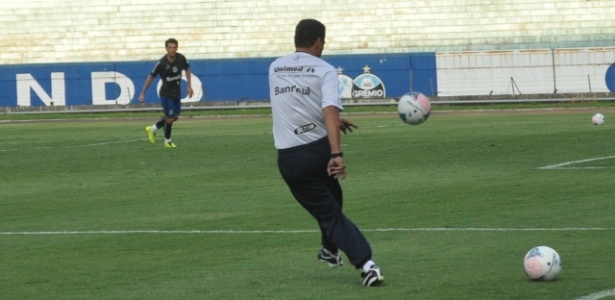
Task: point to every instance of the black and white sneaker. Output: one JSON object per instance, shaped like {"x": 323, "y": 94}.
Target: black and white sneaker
{"x": 333, "y": 259}
{"x": 373, "y": 277}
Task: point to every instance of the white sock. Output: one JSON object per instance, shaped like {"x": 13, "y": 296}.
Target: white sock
{"x": 328, "y": 252}
{"x": 167, "y": 140}
{"x": 368, "y": 265}
{"x": 154, "y": 128}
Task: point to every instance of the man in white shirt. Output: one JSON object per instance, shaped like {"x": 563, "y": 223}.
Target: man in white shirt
{"x": 306, "y": 128}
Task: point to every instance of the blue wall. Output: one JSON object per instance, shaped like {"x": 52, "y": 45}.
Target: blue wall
{"x": 609, "y": 78}
{"x": 222, "y": 79}
{"x": 401, "y": 73}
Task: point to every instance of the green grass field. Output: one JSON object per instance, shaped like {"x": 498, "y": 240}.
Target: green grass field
{"x": 91, "y": 210}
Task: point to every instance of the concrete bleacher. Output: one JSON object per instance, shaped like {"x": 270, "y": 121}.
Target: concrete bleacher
{"x": 56, "y": 31}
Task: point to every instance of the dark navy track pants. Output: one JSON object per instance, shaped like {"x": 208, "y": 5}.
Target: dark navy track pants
{"x": 304, "y": 169}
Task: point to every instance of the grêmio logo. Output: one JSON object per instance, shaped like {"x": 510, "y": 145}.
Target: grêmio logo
{"x": 292, "y": 89}
{"x": 366, "y": 85}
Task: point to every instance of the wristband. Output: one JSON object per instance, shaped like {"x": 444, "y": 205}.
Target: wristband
{"x": 339, "y": 154}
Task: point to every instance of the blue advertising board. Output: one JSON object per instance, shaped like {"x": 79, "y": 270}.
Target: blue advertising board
{"x": 107, "y": 83}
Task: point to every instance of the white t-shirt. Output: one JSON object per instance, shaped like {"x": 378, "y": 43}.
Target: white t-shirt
{"x": 300, "y": 86}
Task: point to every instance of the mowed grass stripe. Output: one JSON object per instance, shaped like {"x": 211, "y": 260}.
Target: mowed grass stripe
{"x": 86, "y": 232}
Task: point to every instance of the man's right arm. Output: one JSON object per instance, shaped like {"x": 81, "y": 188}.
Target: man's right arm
{"x": 336, "y": 166}
{"x": 148, "y": 81}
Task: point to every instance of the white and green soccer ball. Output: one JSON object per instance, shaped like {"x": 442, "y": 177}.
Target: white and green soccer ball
{"x": 542, "y": 263}
{"x": 598, "y": 119}
{"x": 414, "y": 108}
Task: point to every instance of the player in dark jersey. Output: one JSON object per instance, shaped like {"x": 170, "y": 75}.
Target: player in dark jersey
{"x": 169, "y": 68}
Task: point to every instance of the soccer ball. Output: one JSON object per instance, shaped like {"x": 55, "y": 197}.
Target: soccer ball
{"x": 542, "y": 263}
{"x": 598, "y": 119}
{"x": 414, "y": 108}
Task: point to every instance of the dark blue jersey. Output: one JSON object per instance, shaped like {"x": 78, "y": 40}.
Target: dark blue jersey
{"x": 171, "y": 75}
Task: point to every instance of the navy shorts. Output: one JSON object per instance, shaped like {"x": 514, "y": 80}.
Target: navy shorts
{"x": 170, "y": 107}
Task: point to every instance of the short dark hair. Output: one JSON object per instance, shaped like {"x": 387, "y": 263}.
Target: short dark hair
{"x": 170, "y": 41}
{"x": 308, "y": 31}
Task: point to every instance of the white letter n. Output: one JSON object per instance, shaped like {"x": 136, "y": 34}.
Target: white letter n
{"x": 25, "y": 82}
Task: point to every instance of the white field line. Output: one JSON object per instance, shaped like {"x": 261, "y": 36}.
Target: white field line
{"x": 568, "y": 163}
{"x": 598, "y": 295}
{"x": 441, "y": 229}
{"x": 74, "y": 146}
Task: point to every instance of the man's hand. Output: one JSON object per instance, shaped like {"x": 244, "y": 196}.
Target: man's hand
{"x": 337, "y": 168}
{"x": 347, "y": 125}
{"x": 190, "y": 92}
